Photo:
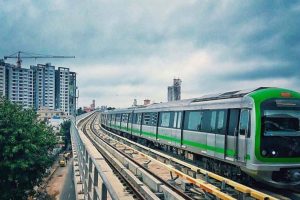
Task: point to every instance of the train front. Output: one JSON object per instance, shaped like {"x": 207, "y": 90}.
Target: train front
{"x": 277, "y": 137}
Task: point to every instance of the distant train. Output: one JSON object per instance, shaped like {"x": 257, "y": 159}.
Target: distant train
{"x": 240, "y": 134}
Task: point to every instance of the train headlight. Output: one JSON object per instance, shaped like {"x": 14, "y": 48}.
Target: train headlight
{"x": 269, "y": 153}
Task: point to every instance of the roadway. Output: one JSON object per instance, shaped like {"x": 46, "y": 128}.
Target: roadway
{"x": 68, "y": 190}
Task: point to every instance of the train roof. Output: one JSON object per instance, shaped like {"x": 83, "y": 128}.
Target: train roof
{"x": 186, "y": 102}
{"x": 210, "y": 97}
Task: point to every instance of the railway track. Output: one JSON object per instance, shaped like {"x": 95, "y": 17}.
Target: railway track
{"x": 127, "y": 185}
{"x": 188, "y": 181}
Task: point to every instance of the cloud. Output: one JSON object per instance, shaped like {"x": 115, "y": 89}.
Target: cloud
{"x": 130, "y": 49}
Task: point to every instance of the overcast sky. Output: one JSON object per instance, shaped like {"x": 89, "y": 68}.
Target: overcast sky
{"x": 133, "y": 49}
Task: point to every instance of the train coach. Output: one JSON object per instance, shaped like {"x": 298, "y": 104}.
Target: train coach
{"x": 240, "y": 134}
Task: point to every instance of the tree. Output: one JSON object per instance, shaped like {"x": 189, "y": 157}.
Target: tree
{"x": 65, "y": 131}
{"x": 25, "y": 150}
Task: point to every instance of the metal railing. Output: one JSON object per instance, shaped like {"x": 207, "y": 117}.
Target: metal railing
{"x": 89, "y": 179}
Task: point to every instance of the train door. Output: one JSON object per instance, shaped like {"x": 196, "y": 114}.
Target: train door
{"x": 220, "y": 130}
{"x": 211, "y": 135}
{"x": 242, "y": 133}
{"x": 176, "y": 128}
{"x": 231, "y": 135}
{"x": 128, "y": 121}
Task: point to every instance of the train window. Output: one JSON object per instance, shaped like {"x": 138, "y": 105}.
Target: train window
{"x": 153, "y": 120}
{"x": 130, "y": 118}
{"x": 165, "y": 119}
{"x": 206, "y": 121}
{"x": 221, "y": 122}
{"x": 221, "y": 116}
{"x": 193, "y": 120}
{"x": 125, "y": 118}
{"x": 213, "y": 121}
{"x": 175, "y": 120}
{"x": 139, "y": 118}
{"x": 244, "y": 122}
{"x": 179, "y": 119}
{"x": 233, "y": 121}
{"x": 118, "y": 117}
{"x": 134, "y": 118}
{"x": 113, "y": 119}
{"x": 146, "y": 118}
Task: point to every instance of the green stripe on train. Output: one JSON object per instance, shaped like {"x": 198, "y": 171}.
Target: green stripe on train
{"x": 229, "y": 152}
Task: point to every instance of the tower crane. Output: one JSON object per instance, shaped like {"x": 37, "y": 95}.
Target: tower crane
{"x": 21, "y": 55}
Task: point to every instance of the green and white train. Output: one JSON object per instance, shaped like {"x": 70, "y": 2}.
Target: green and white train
{"x": 240, "y": 134}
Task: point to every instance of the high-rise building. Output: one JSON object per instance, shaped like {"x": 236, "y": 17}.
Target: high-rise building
{"x": 44, "y": 86}
{"x": 19, "y": 85}
{"x": 2, "y": 78}
{"x": 177, "y": 89}
{"x": 62, "y": 81}
{"x": 72, "y": 93}
{"x": 174, "y": 91}
{"x": 170, "y": 93}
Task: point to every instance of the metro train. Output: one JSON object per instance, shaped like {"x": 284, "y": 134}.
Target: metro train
{"x": 243, "y": 135}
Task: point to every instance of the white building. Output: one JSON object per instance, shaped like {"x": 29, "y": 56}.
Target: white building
{"x": 44, "y": 86}
{"x": 20, "y": 85}
{"x": 62, "y": 79}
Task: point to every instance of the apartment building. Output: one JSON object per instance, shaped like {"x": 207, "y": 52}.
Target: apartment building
{"x": 62, "y": 80}
{"x": 19, "y": 85}
{"x": 44, "y": 86}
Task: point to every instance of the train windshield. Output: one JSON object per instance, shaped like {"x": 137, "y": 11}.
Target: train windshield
{"x": 281, "y": 117}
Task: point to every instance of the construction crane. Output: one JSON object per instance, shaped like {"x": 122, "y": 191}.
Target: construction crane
{"x": 21, "y": 55}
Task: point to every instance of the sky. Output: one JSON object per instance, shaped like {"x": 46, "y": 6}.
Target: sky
{"x": 133, "y": 49}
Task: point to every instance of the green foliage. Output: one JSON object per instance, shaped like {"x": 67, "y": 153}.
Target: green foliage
{"x": 65, "y": 131}
{"x": 25, "y": 147}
